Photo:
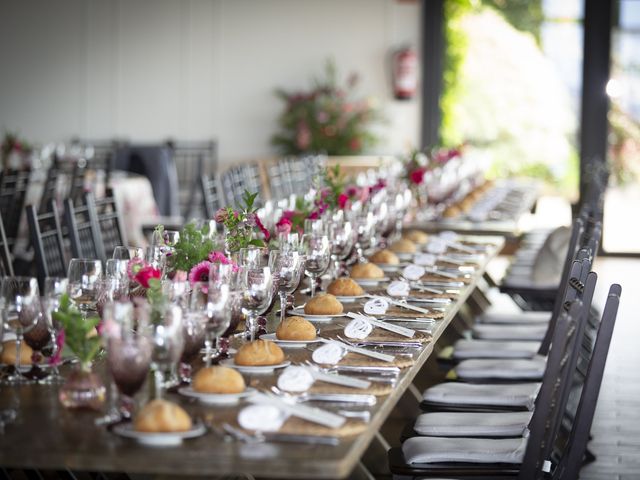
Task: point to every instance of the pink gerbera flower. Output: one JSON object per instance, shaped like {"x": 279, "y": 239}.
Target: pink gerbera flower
{"x": 200, "y": 272}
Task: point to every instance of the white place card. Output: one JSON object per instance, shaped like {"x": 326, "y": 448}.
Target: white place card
{"x": 425, "y": 259}
{"x": 376, "y": 306}
{"x": 362, "y": 351}
{"x": 336, "y": 379}
{"x": 295, "y": 379}
{"x": 358, "y": 328}
{"x": 405, "y": 332}
{"x": 413, "y": 272}
{"x": 448, "y": 235}
{"x": 312, "y": 414}
{"x": 436, "y": 246}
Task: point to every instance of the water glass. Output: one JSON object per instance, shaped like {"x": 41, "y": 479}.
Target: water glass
{"x": 317, "y": 251}
{"x": 84, "y": 277}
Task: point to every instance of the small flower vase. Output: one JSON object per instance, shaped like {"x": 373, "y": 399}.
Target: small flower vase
{"x": 83, "y": 389}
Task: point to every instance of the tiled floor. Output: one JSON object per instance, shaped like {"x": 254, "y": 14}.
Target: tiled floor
{"x": 616, "y": 427}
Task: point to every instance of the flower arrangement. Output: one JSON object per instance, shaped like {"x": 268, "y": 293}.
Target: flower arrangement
{"x": 325, "y": 119}
{"x": 194, "y": 246}
{"x": 417, "y": 163}
{"x": 77, "y": 333}
{"x": 242, "y": 225}
{"x": 12, "y": 146}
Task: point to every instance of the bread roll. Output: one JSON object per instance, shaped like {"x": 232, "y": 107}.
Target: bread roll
{"x": 325, "y": 304}
{"x": 416, "y": 236}
{"x": 451, "y": 212}
{"x": 345, "y": 287}
{"x": 162, "y": 416}
{"x": 403, "y": 246}
{"x": 218, "y": 380}
{"x": 366, "y": 271}
{"x": 385, "y": 256}
{"x": 296, "y": 328}
{"x": 258, "y": 353}
{"x": 8, "y": 356}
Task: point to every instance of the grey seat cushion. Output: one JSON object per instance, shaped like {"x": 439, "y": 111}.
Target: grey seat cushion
{"x": 525, "y": 368}
{"x": 520, "y": 318}
{"x": 509, "y": 395}
{"x": 473, "y": 424}
{"x": 464, "y": 349}
{"x": 468, "y": 450}
{"x": 509, "y": 332}
{"x": 548, "y": 264}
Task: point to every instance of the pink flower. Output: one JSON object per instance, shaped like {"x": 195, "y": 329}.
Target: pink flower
{"x": 288, "y": 214}
{"x": 379, "y": 185}
{"x": 251, "y": 220}
{"x": 57, "y": 356}
{"x": 221, "y": 215}
{"x": 314, "y": 215}
{"x": 200, "y": 272}
{"x": 322, "y": 117}
{"x": 355, "y": 144}
{"x": 303, "y": 137}
{"x": 264, "y": 231}
{"x": 343, "y": 199}
{"x": 284, "y": 225}
{"x": 180, "y": 276}
{"x": 147, "y": 273}
{"x": 218, "y": 257}
{"x": 417, "y": 176}
{"x": 134, "y": 266}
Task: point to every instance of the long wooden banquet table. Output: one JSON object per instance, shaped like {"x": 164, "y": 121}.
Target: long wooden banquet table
{"x": 46, "y": 436}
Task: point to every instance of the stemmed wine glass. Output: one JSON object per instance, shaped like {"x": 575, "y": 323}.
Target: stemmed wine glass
{"x": 20, "y": 313}
{"x": 6, "y": 415}
{"x": 129, "y": 355}
{"x": 343, "y": 238}
{"x": 256, "y": 286}
{"x": 219, "y": 310}
{"x": 288, "y": 266}
{"x": 54, "y": 288}
{"x": 365, "y": 228}
{"x": 317, "y": 251}
{"x": 84, "y": 280}
{"x": 288, "y": 242}
{"x": 127, "y": 253}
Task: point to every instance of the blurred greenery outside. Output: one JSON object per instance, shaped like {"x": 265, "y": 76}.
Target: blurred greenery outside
{"x": 501, "y": 93}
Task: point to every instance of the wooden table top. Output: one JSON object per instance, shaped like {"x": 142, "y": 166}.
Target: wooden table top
{"x": 47, "y": 436}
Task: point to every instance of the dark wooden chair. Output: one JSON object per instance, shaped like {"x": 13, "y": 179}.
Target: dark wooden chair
{"x": 240, "y": 178}
{"x": 84, "y": 234}
{"x": 13, "y": 192}
{"x": 212, "y": 198}
{"x": 46, "y": 238}
{"x": 108, "y": 224}
{"x": 6, "y": 265}
{"x": 50, "y": 187}
{"x": 193, "y": 160}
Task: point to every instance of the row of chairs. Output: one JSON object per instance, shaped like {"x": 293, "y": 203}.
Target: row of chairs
{"x": 91, "y": 228}
{"x": 13, "y": 194}
{"x": 525, "y": 387}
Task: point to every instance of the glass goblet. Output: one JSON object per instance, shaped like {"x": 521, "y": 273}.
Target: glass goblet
{"x": 84, "y": 277}
{"x": 193, "y": 331}
{"x": 21, "y": 312}
{"x": 317, "y": 251}
{"x": 256, "y": 287}
{"x": 288, "y": 266}
{"x": 343, "y": 238}
{"x": 54, "y": 288}
{"x": 127, "y": 253}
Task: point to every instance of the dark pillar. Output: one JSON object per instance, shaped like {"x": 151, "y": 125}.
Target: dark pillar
{"x": 433, "y": 49}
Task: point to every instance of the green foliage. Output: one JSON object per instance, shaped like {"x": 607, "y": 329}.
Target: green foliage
{"x": 193, "y": 247}
{"x": 525, "y": 15}
{"x": 334, "y": 181}
{"x": 240, "y": 224}
{"x": 78, "y": 331}
{"x": 325, "y": 119}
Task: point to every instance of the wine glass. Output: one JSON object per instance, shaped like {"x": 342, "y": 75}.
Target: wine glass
{"x": 84, "y": 279}
{"x": 288, "y": 242}
{"x": 288, "y": 266}
{"x": 256, "y": 286}
{"x": 316, "y": 226}
{"x": 127, "y": 253}
{"x": 317, "y": 251}
{"x": 343, "y": 238}
{"x": 20, "y": 313}
{"x": 219, "y": 310}
{"x": 117, "y": 268}
{"x": 129, "y": 355}
{"x": 251, "y": 257}
{"x": 193, "y": 331}
{"x": 365, "y": 227}
{"x": 54, "y": 288}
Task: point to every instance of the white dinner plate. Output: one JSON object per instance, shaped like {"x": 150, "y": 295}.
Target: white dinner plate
{"x": 255, "y": 369}
{"x": 350, "y": 298}
{"x": 288, "y": 343}
{"x": 299, "y": 312}
{"x": 216, "y": 398}
{"x": 371, "y": 282}
{"x": 160, "y": 439}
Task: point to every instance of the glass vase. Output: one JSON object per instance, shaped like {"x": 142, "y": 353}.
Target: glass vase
{"x": 83, "y": 389}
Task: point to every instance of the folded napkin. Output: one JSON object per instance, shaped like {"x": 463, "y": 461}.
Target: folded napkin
{"x": 456, "y": 393}
{"x": 526, "y": 368}
{"x": 464, "y": 348}
{"x": 471, "y": 450}
{"x": 520, "y": 318}
{"x": 473, "y": 424}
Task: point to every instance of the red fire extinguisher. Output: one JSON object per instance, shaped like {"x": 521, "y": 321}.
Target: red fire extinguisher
{"x": 405, "y": 73}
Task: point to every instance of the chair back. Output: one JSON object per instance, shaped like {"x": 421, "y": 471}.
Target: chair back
{"x": 6, "y": 265}
{"x": 108, "y": 224}
{"x": 212, "y": 198}
{"x": 84, "y": 233}
{"x": 50, "y": 187}
{"x": 240, "y": 178}
{"x": 46, "y": 238}
{"x": 13, "y": 193}
{"x": 576, "y": 445}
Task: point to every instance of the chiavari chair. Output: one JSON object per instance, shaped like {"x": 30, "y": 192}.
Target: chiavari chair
{"x": 6, "y": 265}
{"x": 212, "y": 198}
{"x": 240, "y": 178}
{"x": 13, "y": 193}
{"x": 84, "y": 234}
{"x": 46, "y": 238}
{"x": 108, "y": 223}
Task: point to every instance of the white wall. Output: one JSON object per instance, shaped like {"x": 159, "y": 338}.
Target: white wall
{"x": 191, "y": 69}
